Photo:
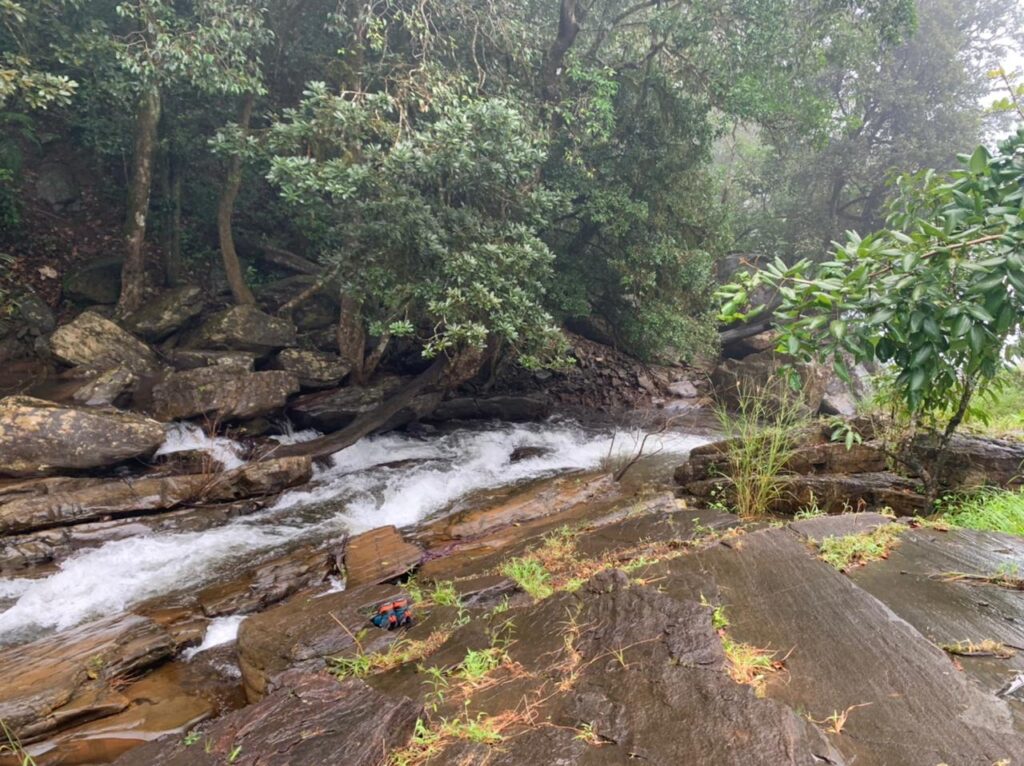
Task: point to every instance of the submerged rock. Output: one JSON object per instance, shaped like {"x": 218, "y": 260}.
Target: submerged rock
{"x": 94, "y": 341}
{"x": 38, "y": 437}
{"x": 223, "y": 392}
{"x": 166, "y": 312}
{"x": 243, "y": 328}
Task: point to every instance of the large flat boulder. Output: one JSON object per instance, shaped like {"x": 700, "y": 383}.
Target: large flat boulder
{"x": 223, "y": 392}
{"x": 644, "y": 673}
{"x": 847, "y": 651}
{"x": 95, "y": 341}
{"x": 72, "y": 676}
{"x": 133, "y": 496}
{"x": 243, "y": 328}
{"x": 919, "y": 582}
{"x": 166, "y": 312}
{"x": 315, "y": 721}
{"x": 38, "y": 437}
{"x": 314, "y": 369}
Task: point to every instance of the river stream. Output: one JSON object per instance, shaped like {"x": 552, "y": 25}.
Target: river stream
{"x": 395, "y": 478}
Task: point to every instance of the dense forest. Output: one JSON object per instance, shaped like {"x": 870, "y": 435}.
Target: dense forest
{"x": 478, "y": 174}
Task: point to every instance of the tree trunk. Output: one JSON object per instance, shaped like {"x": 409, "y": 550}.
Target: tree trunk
{"x": 172, "y": 227}
{"x": 554, "y": 63}
{"x": 442, "y": 376}
{"x": 133, "y": 273}
{"x": 225, "y": 210}
{"x": 352, "y": 337}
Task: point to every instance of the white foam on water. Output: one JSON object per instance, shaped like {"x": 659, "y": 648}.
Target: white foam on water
{"x": 107, "y": 580}
{"x": 188, "y": 436}
{"x": 220, "y": 631}
{"x": 13, "y": 588}
{"x": 363, "y": 488}
{"x": 291, "y": 436}
{"x": 440, "y": 470}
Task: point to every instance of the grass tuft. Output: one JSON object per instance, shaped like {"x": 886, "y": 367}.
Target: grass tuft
{"x": 850, "y": 551}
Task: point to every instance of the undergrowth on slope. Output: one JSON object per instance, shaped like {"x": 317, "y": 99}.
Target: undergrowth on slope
{"x": 987, "y": 510}
{"x": 759, "y": 439}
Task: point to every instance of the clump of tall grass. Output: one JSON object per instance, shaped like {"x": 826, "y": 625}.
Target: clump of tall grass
{"x": 760, "y": 442}
{"x": 993, "y": 510}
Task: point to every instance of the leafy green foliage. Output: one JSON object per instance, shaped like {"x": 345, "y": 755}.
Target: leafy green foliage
{"x": 436, "y": 222}
{"x": 939, "y": 298}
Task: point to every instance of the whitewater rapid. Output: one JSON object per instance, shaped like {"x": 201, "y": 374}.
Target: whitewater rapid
{"x": 395, "y": 478}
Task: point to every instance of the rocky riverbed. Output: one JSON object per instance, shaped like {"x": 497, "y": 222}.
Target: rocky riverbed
{"x": 179, "y": 584}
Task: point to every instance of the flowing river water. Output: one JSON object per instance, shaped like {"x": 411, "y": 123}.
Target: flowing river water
{"x": 395, "y": 478}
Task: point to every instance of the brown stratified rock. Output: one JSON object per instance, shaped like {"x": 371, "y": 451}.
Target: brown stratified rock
{"x": 222, "y": 391}
{"x": 66, "y": 678}
{"x": 38, "y": 437}
{"x": 306, "y": 630}
{"x": 243, "y": 328}
{"x": 166, "y": 312}
{"x": 156, "y": 705}
{"x": 315, "y": 721}
{"x": 94, "y": 341}
{"x": 378, "y": 555}
{"x": 644, "y": 672}
{"x": 833, "y": 493}
{"x": 129, "y": 496}
{"x": 314, "y": 369}
{"x": 544, "y": 498}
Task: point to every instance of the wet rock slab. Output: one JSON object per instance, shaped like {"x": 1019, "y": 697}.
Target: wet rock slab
{"x": 645, "y": 673}
{"x": 844, "y": 648}
{"x": 67, "y": 678}
{"x": 918, "y": 582}
{"x": 314, "y": 721}
{"x": 378, "y": 555}
{"x": 307, "y": 630}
